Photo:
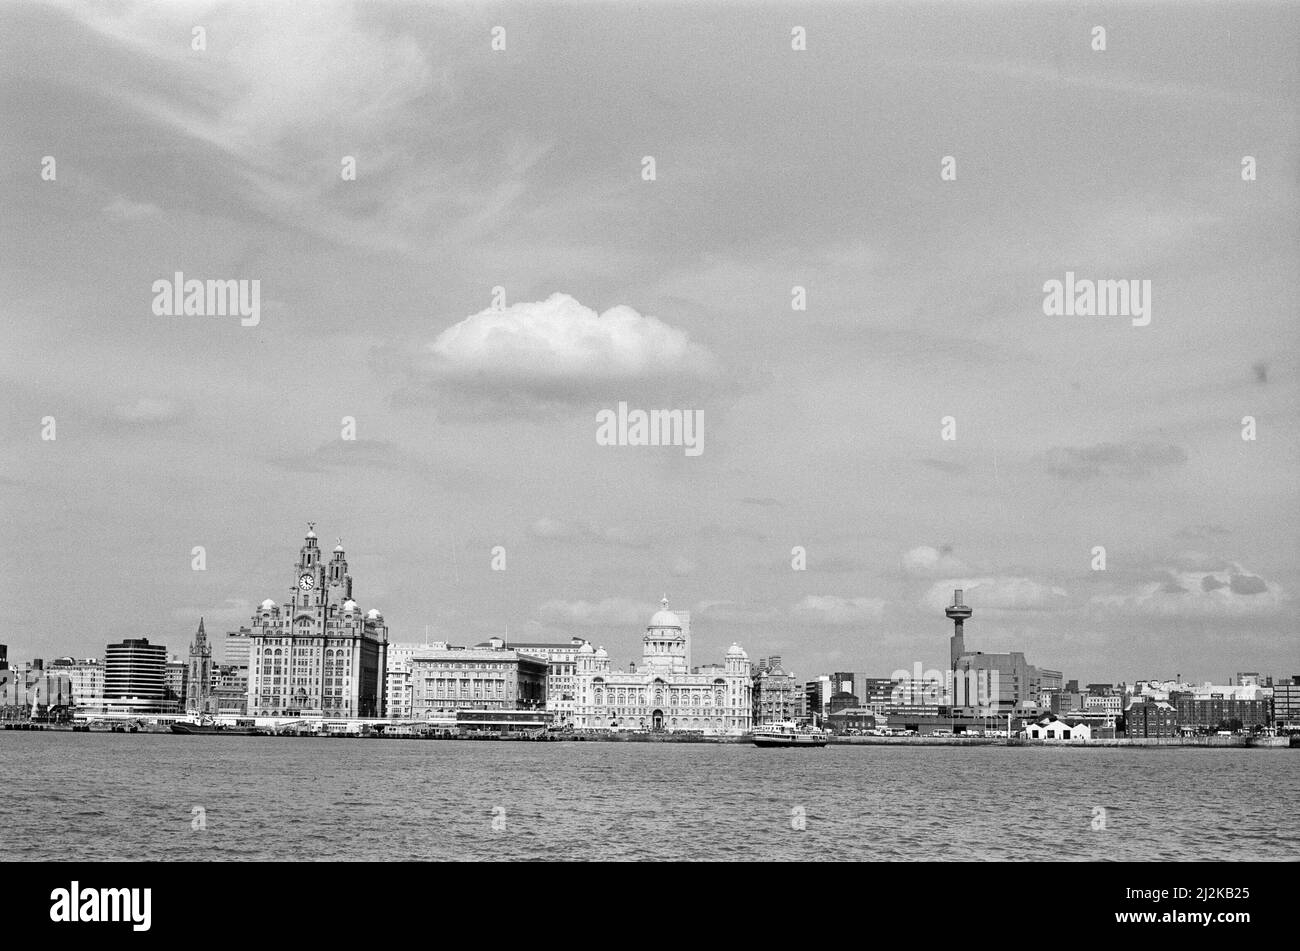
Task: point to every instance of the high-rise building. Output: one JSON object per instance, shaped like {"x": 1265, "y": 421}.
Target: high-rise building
{"x": 176, "y": 683}
{"x": 199, "y": 697}
{"x": 996, "y": 684}
{"x": 236, "y": 647}
{"x": 135, "y": 677}
{"x": 817, "y": 697}
{"x": 317, "y": 653}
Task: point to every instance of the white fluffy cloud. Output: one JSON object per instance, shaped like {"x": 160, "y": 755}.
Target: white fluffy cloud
{"x": 561, "y": 339}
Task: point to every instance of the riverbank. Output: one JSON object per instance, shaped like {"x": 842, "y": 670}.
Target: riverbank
{"x": 1210, "y": 742}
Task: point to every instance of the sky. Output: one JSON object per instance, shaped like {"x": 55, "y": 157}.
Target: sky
{"x": 502, "y": 267}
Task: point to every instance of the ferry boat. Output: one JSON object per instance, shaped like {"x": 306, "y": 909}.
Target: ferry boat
{"x": 207, "y": 725}
{"x": 788, "y": 733}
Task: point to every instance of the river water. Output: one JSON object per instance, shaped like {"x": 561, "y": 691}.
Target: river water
{"x": 77, "y": 796}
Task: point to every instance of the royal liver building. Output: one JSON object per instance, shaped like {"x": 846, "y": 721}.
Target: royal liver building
{"x": 317, "y": 654}
{"x": 663, "y": 692}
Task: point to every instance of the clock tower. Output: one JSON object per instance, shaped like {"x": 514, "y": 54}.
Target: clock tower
{"x": 317, "y": 654}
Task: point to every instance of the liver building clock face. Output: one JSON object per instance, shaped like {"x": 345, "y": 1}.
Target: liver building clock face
{"x": 305, "y": 581}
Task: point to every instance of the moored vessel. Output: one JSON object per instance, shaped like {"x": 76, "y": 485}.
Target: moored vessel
{"x": 788, "y": 733}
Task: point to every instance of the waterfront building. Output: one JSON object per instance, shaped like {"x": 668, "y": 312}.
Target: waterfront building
{"x": 878, "y": 693}
{"x": 1110, "y": 706}
{"x": 199, "y": 698}
{"x": 1286, "y": 702}
{"x": 857, "y": 719}
{"x": 230, "y": 689}
{"x": 135, "y": 678}
{"x": 34, "y": 692}
{"x": 86, "y": 676}
{"x": 445, "y": 680}
{"x": 664, "y": 692}
{"x": 1054, "y": 728}
{"x": 561, "y": 676}
{"x": 845, "y": 682}
{"x": 1209, "y": 714}
{"x": 317, "y": 654}
{"x": 176, "y": 682}
{"x": 817, "y": 697}
{"x": 1146, "y": 718}
{"x": 776, "y": 693}
{"x": 397, "y": 691}
{"x": 1005, "y": 682}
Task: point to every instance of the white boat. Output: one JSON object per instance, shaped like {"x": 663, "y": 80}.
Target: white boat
{"x": 788, "y": 733}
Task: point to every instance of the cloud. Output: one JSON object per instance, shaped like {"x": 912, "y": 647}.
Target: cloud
{"x": 998, "y": 593}
{"x": 1231, "y": 592}
{"x": 614, "y": 611}
{"x": 123, "y": 209}
{"x": 834, "y": 610}
{"x": 924, "y": 560}
{"x": 541, "y": 345}
{"x": 1112, "y": 459}
{"x": 148, "y": 411}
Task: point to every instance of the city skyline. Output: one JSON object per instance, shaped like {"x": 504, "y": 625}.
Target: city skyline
{"x": 438, "y": 332}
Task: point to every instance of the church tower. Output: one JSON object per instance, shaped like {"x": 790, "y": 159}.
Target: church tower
{"x": 198, "y": 689}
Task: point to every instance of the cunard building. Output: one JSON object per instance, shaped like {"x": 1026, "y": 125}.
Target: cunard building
{"x": 317, "y": 654}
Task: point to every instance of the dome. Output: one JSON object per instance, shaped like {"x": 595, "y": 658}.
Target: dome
{"x": 665, "y": 618}
{"x": 600, "y": 652}
{"x": 338, "y": 548}
{"x": 373, "y": 614}
{"x": 586, "y": 648}
{"x": 310, "y": 534}
{"x": 735, "y": 650}
{"x": 350, "y": 605}
{"x": 268, "y": 605}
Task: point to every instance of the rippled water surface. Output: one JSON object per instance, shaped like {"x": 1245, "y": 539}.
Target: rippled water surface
{"x": 131, "y": 796}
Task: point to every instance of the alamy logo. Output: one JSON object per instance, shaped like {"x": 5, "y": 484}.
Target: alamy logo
{"x": 658, "y": 427}
{"x": 194, "y": 298}
{"x": 1085, "y": 298}
{"x": 102, "y": 904}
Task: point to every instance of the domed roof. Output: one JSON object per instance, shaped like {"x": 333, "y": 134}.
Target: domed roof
{"x": 735, "y": 650}
{"x": 338, "y": 547}
{"x": 349, "y": 605}
{"x": 373, "y": 613}
{"x": 600, "y": 652}
{"x": 268, "y": 604}
{"x": 310, "y": 534}
{"x": 665, "y": 618}
{"x": 586, "y": 648}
